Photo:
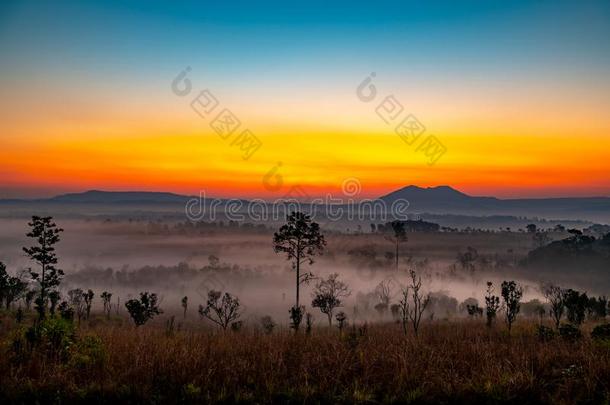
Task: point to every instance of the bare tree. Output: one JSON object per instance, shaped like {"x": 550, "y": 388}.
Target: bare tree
{"x": 492, "y": 304}
{"x": 221, "y": 309}
{"x": 77, "y": 302}
{"x": 555, "y": 295}
{"x": 300, "y": 239}
{"x": 468, "y": 259}
{"x": 383, "y": 292}
{"x": 328, "y": 295}
{"x": 419, "y": 300}
{"x": 403, "y": 309}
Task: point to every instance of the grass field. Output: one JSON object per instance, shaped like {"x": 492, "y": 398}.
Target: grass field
{"x": 458, "y": 361}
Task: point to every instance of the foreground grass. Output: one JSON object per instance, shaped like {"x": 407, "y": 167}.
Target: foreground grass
{"x": 459, "y": 362}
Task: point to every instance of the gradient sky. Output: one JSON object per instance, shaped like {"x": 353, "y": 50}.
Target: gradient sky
{"x": 518, "y": 92}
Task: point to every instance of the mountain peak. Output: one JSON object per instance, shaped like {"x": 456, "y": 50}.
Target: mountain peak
{"x": 437, "y": 198}
{"x": 435, "y": 190}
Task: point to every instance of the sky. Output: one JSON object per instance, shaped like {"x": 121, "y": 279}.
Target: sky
{"x": 514, "y": 97}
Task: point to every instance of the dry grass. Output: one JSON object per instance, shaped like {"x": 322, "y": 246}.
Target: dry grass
{"x": 457, "y": 362}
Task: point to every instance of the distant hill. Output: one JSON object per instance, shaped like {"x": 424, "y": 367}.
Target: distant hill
{"x": 444, "y": 199}
{"x": 433, "y": 200}
{"x": 117, "y": 197}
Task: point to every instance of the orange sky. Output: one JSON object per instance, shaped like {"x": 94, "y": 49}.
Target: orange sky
{"x": 519, "y": 96}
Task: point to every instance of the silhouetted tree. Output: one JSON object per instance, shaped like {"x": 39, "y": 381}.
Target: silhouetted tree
{"x": 398, "y": 236}
{"x": 474, "y": 310}
{"x": 296, "y": 317}
{"x": 555, "y": 295}
{"x": 341, "y": 321}
{"x": 300, "y": 239}
{"x": 106, "y": 297}
{"x": 77, "y": 302}
{"x": 221, "y": 309}
{"x": 88, "y": 299}
{"x": 46, "y": 234}
{"x": 419, "y": 300}
{"x": 598, "y": 307}
{"x": 467, "y": 259}
{"x": 576, "y": 305}
{"x": 328, "y": 295}
{"x": 4, "y": 277}
{"x": 492, "y": 304}
{"x": 143, "y": 309}
{"x": 185, "y": 305}
{"x": 15, "y": 289}
{"x": 383, "y": 292}
{"x": 66, "y": 311}
{"x": 511, "y": 293}
{"x": 11, "y": 288}
{"x": 403, "y": 309}
{"x": 308, "y": 323}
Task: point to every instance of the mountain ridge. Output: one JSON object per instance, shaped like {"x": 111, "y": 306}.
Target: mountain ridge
{"x": 433, "y": 200}
{"x": 415, "y": 192}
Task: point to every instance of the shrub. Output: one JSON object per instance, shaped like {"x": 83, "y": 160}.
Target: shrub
{"x": 341, "y": 321}
{"x": 66, "y": 311}
{"x": 88, "y": 353}
{"x": 53, "y": 336}
{"x": 296, "y": 317}
{"x": 268, "y": 324}
{"x": 545, "y": 333}
{"x": 569, "y": 332}
{"x": 308, "y": 323}
{"x": 601, "y": 332}
{"x": 143, "y": 309}
{"x": 576, "y": 304}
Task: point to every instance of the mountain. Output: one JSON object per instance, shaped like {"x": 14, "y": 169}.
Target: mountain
{"x": 120, "y": 197}
{"x": 441, "y": 198}
{"x": 444, "y": 199}
{"x": 433, "y": 200}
